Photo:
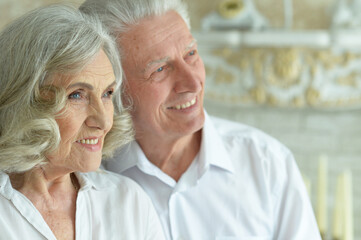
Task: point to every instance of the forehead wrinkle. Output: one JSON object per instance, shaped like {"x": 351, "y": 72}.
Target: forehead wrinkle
{"x": 139, "y": 37}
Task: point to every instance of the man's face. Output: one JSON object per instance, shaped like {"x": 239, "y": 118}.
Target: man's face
{"x": 164, "y": 77}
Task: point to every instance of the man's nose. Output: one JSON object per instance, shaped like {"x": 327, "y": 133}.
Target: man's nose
{"x": 187, "y": 79}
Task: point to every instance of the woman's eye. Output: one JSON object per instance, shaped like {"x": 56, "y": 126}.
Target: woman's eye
{"x": 75, "y": 95}
{"x": 108, "y": 94}
{"x": 160, "y": 69}
{"x": 191, "y": 53}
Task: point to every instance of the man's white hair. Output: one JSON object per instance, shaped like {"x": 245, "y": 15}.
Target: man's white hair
{"x": 119, "y": 15}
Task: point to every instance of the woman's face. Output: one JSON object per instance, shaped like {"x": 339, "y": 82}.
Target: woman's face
{"x": 87, "y": 117}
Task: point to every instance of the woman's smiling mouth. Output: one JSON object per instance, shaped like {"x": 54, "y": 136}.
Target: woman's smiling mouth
{"x": 89, "y": 141}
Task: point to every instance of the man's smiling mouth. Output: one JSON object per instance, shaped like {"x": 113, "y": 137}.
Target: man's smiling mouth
{"x": 184, "y": 105}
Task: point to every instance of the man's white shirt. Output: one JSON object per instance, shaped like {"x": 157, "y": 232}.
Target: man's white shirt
{"x": 243, "y": 184}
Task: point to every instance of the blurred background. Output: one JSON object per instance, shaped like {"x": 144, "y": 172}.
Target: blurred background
{"x": 293, "y": 69}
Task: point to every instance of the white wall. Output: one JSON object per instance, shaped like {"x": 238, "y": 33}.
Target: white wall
{"x": 310, "y": 133}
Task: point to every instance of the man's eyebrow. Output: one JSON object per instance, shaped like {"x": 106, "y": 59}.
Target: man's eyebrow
{"x": 165, "y": 59}
{"x": 153, "y": 62}
{"x": 191, "y": 45}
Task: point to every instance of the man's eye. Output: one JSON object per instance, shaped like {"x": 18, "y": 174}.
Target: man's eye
{"x": 191, "y": 53}
{"x": 160, "y": 73}
{"x": 75, "y": 95}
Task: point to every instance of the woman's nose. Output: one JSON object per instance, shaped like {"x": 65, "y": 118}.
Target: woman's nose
{"x": 99, "y": 116}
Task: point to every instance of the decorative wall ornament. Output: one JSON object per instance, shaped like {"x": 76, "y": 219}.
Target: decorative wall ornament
{"x": 347, "y": 14}
{"x": 230, "y": 8}
{"x": 249, "y": 62}
{"x": 238, "y": 14}
{"x": 286, "y": 77}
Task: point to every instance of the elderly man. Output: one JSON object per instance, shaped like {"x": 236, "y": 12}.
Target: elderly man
{"x": 208, "y": 178}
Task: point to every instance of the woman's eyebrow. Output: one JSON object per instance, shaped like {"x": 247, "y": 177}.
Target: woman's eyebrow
{"x": 112, "y": 84}
{"x": 81, "y": 84}
{"x": 87, "y": 85}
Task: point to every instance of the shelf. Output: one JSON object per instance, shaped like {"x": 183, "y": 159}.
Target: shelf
{"x": 345, "y": 39}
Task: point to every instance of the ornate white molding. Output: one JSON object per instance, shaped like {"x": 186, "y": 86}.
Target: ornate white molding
{"x": 284, "y": 76}
{"x": 238, "y": 14}
{"x": 248, "y": 62}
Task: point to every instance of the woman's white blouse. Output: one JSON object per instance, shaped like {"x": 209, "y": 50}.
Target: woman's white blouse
{"x": 108, "y": 207}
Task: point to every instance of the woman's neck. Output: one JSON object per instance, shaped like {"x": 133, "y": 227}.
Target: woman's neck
{"x": 44, "y": 184}
{"x": 53, "y": 195}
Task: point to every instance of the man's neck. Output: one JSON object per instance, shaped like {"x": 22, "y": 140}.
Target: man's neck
{"x": 173, "y": 156}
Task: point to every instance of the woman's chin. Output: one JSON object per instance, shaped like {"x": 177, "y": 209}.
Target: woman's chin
{"x": 90, "y": 167}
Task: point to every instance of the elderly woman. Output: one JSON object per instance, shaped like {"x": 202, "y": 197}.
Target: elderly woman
{"x": 59, "y": 76}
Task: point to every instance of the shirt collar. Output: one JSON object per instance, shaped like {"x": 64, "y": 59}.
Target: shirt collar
{"x": 5, "y": 186}
{"x": 126, "y": 157}
{"x": 95, "y": 180}
{"x": 213, "y": 151}
{"x": 131, "y": 155}
{"x": 86, "y": 180}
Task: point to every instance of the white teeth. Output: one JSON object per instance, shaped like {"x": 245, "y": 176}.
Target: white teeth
{"x": 88, "y": 141}
{"x": 185, "y": 105}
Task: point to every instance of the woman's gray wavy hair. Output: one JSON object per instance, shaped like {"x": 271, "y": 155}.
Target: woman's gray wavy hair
{"x": 45, "y": 42}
